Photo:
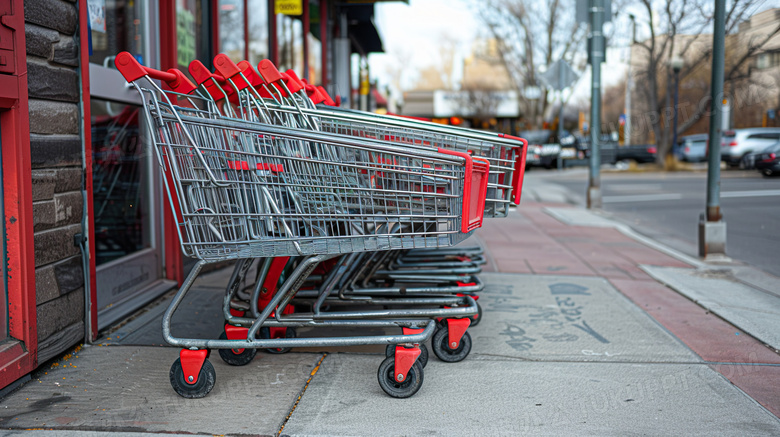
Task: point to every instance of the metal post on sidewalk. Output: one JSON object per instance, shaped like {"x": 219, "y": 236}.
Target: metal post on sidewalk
{"x": 629, "y": 85}
{"x": 596, "y": 57}
{"x": 561, "y": 80}
{"x": 712, "y": 228}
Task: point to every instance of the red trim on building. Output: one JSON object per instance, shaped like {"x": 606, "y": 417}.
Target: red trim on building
{"x": 246, "y": 30}
{"x": 324, "y": 42}
{"x": 20, "y": 357}
{"x": 306, "y": 29}
{"x": 273, "y": 35}
{"x": 169, "y": 59}
{"x": 87, "y": 138}
{"x": 215, "y": 26}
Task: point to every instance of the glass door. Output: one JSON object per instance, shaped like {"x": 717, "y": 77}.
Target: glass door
{"x": 125, "y": 180}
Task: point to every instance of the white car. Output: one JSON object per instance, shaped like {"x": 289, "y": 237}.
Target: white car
{"x": 739, "y": 143}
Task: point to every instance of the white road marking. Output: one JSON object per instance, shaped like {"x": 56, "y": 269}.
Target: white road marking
{"x": 642, "y": 198}
{"x": 756, "y": 193}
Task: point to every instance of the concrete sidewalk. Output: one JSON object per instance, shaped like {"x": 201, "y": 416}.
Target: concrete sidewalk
{"x": 578, "y": 338}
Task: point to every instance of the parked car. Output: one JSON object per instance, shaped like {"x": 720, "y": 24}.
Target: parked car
{"x": 768, "y": 162}
{"x": 607, "y": 148}
{"x": 544, "y": 147}
{"x": 738, "y": 143}
{"x": 643, "y": 153}
{"x": 693, "y": 148}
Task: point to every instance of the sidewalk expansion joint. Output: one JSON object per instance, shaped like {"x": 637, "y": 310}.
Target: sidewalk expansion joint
{"x": 301, "y": 393}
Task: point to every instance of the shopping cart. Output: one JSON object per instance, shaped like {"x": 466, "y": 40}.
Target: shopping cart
{"x": 241, "y": 190}
{"x": 268, "y": 95}
{"x": 251, "y": 98}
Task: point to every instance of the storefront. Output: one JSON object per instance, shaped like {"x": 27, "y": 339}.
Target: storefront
{"x": 89, "y": 235}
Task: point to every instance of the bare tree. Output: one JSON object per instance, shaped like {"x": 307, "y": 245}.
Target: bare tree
{"x": 680, "y": 28}
{"x": 532, "y": 34}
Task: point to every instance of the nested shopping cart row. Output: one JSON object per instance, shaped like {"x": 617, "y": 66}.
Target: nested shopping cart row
{"x": 336, "y": 219}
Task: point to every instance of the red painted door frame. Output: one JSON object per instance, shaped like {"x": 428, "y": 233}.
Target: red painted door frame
{"x": 87, "y": 138}
{"x": 19, "y": 357}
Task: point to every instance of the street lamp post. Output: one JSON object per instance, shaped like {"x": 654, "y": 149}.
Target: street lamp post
{"x": 677, "y": 65}
{"x": 712, "y": 228}
{"x": 629, "y": 85}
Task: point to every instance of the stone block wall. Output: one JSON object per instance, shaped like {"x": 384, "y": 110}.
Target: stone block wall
{"x": 56, "y": 148}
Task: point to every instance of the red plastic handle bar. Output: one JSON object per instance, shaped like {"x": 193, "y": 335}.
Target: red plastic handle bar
{"x": 229, "y": 70}
{"x": 201, "y": 74}
{"x": 250, "y": 73}
{"x": 132, "y": 70}
{"x": 328, "y": 101}
{"x": 314, "y": 94}
{"x": 469, "y": 220}
{"x": 268, "y": 70}
{"x": 294, "y": 84}
{"x": 254, "y": 78}
{"x": 519, "y": 173}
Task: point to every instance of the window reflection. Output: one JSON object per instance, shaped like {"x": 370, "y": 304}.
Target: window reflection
{"x": 118, "y": 181}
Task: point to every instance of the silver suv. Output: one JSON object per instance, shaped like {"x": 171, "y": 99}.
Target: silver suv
{"x": 738, "y": 143}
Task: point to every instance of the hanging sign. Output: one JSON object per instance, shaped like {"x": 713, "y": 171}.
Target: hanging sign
{"x": 289, "y": 7}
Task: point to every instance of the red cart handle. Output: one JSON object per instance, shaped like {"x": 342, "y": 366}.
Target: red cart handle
{"x": 268, "y": 71}
{"x": 294, "y": 84}
{"x": 519, "y": 174}
{"x": 314, "y": 94}
{"x": 201, "y": 74}
{"x": 229, "y": 70}
{"x": 255, "y": 79}
{"x": 132, "y": 70}
{"x": 328, "y": 100}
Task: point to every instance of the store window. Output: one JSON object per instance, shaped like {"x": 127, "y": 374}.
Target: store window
{"x": 231, "y": 29}
{"x": 121, "y": 30}
{"x": 192, "y": 32}
{"x": 258, "y": 31}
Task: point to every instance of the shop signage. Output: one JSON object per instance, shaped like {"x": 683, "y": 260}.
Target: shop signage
{"x": 289, "y": 7}
{"x": 97, "y": 15}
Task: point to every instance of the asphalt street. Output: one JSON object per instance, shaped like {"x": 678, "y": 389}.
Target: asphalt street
{"x": 666, "y": 207}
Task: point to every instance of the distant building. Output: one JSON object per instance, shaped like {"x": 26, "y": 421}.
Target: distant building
{"x": 487, "y": 97}
{"x": 752, "y": 93}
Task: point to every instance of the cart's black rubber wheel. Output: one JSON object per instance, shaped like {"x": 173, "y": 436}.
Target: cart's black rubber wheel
{"x": 289, "y": 333}
{"x": 396, "y": 389}
{"x": 206, "y": 379}
{"x": 235, "y": 359}
{"x": 478, "y": 318}
{"x": 422, "y": 359}
{"x": 441, "y": 347}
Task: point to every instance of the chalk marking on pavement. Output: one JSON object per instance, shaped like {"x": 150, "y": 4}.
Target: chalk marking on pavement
{"x": 642, "y": 198}
{"x": 752, "y": 193}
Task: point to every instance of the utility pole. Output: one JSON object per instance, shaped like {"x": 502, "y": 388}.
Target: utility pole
{"x": 712, "y": 228}
{"x": 596, "y": 11}
{"x": 561, "y": 79}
